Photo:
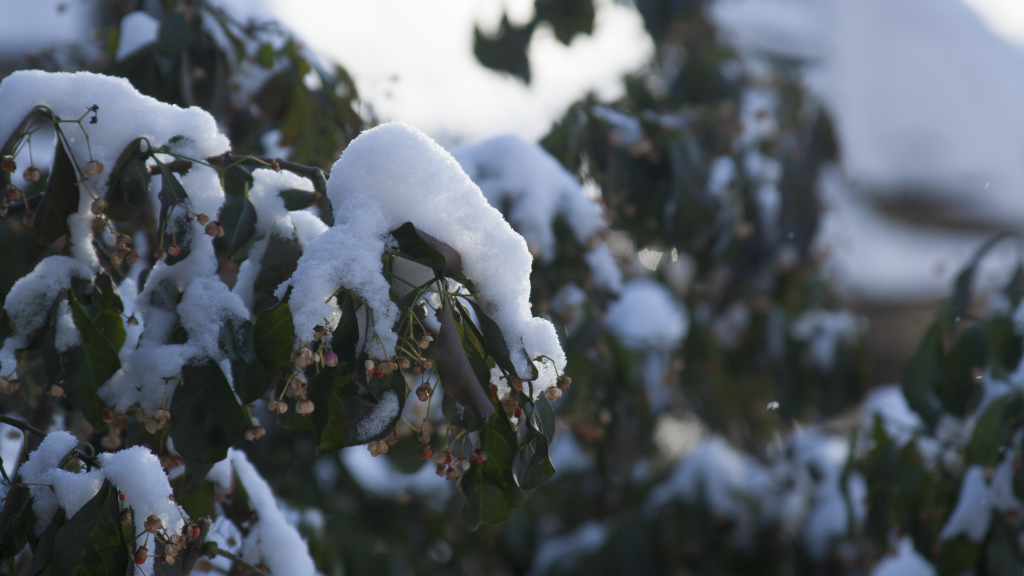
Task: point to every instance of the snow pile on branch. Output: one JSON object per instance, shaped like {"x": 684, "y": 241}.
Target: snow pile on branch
{"x": 138, "y": 30}
{"x": 646, "y": 316}
{"x": 272, "y": 541}
{"x": 272, "y": 218}
{"x": 123, "y": 115}
{"x": 40, "y": 472}
{"x": 394, "y": 174}
{"x": 825, "y": 331}
{"x": 906, "y": 562}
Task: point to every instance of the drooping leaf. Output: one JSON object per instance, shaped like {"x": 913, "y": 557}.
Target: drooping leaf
{"x": 539, "y": 431}
{"x": 993, "y": 431}
{"x": 329, "y": 390}
{"x": 274, "y": 336}
{"x": 128, "y": 183}
{"x": 922, "y": 374}
{"x": 250, "y": 378}
{"x": 458, "y": 378}
{"x": 345, "y": 337}
{"x": 15, "y": 136}
{"x": 957, "y": 387}
{"x": 492, "y": 492}
{"x": 43, "y": 551}
{"x": 295, "y": 199}
{"x": 277, "y": 265}
{"x": 494, "y": 341}
{"x": 93, "y": 362}
{"x": 91, "y": 542}
{"x": 244, "y": 229}
{"x": 60, "y": 199}
{"x": 960, "y": 300}
{"x": 205, "y": 417}
{"x": 265, "y": 56}
{"x": 422, "y": 248}
{"x": 171, "y": 184}
{"x": 193, "y": 477}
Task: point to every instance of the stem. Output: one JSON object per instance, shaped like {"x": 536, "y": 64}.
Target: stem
{"x": 235, "y": 558}
{"x": 23, "y": 426}
{"x": 315, "y": 175}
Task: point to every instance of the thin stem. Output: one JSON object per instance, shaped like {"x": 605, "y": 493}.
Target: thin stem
{"x": 235, "y": 558}
{"x": 24, "y": 426}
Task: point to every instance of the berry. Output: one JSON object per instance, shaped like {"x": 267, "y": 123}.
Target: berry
{"x": 214, "y": 229}
{"x": 99, "y": 206}
{"x": 494, "y": 391}
{"x": 255, "y": 433}
{"x": 173, "y": 250}
{"x": 330, "y": 359}
{"x": 159, "y": 255}
{"x": 425, "y": 451}
{"x": 31, "y": 174}
{"x": 121, "y": 496}
{"x": 479, "y": 456}
{"x": 7, "y": 164}
{"x": 553, "y": 394}
{"x": 202, "y": 219}
{"x": 564, "y": 382}
{"x": 141, "y": 554}
{"x": 303, "y": 407}
{"x": 92, "y": 168}
{"x": 277, "y": 406}
{"x": 518, "y": 413}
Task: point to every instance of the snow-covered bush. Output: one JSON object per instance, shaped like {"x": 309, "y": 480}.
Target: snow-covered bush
{"x": 326, "y": 323}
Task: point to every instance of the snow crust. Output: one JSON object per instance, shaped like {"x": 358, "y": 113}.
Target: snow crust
{"x": 906, "y": 562}
{"x": 394, "y": 174}
{"x": 379, "y": 417}
{"x": 138, "y": 30}
{"x": 137, "y": 473}
{"x": 273, "y": 540}
{"x": 39, "y": 468}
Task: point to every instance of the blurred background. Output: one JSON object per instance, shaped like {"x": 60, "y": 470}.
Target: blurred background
{"x": 868, "y": 149}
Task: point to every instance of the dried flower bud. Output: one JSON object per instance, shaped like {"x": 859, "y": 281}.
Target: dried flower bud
{"x": 277, "y": 406}
{"x": 441, "y": 470}
{"x": 31, "y": 174}
{"x": 403, "y": 363}
{"x": 553, "y": 394}
{"x": 202, "y": 565}
{"x": 117, "y": 258}
{"x": 564, "y": 382}
{"x": 192, "y": 531}
{"x": 108, "y": 414}
{"x": 152, "y": 426}
{"x": 255, "y": 433}
{"x": 141, "y": 554}
{"x": 141, "y": 415}
{"x": 462, "y": 463}
{"x": 92, "y": 168}
{"x": 5, "y": 386}
{"x": 132, "y": 257}
{"x": 425, "y": 451}
{"x": 167, "y": 558}
{"x": 444, "y": 457}
{"x": 173, "y": 250}
{"x": 392, "y": 438}
{"x": 159, "y": 255}
{"x": 423, "y": 393}
{"x": 427, "y": 364}
{"x": 479, "y": 456}
{"x": 510, "y": 404}
{"x": 110, "y": 442}
{"x": 319, "y": 332}
{"x": 7, "y": 164}
{"x": 303, "y": 407}
{"x": 330, "y": 359}
{"x": 153, "y": 524}
{"x": 425, "y": 340}
{"x": 452, "y": 473}
{"x": 29, "y": 219}
{"x": 56, "y": 391}
{"x": 303, "y": 357}
{"x": 123, "y": 241}
{"x": 99, "y": 206}
{"x": 12, "y": 194}
{"x": 214, "y": 229}
{"x": 298, "y": 382}
{"x": 133, "y": 321}
{"x": 516, "y": 383}
{"x": 162, "y": 416}
{"x": 126, "y": 516}
{"x": 3, "y": 210}
{"x": 370, "y": 365}
{"x": 202, "y": 219}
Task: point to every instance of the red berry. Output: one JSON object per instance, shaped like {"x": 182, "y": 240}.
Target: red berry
{"x": 121, "y": 496}
{"x": 518, "y": 413}
{"x": 425, "y": 451}
{"x": 494, "y": 391}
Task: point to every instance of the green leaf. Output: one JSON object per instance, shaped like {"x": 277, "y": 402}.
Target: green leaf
{"x": 960, "y": 300}
{"x": 205, "y": 417}
{"x": 357, "y": 408}
{"x": 539, "y": 469}
{"x": 422, "y": 248}
{"x": 265, "y": 56}
{"x": 60, "y": 199}
{"x": 93, "y": 362}
{"x": 957, "y": 388}
{"x": 129, "y": 183}
{"x": 42, "y": 553}
{"x": 492, "y": 492}
{"x": 274, "y": 338}
{"x": 244, "y": 229}
{"x": 993, "y": 432}
{"x": 330, "y": 390}
{"x": 345, "y": 337}
{"x": 171, "y": 184}
{"x": 295, "y": 118}
{"x": 922, "y": 374}
{"x": 174, "y": 34}
{"x": 251, "y": 379}
{"x": 91, "y": 542}
{"x": 277, "y": 265}
{"x": 295, "y": 199}
{"x": 494, "y": 342}
{"x": 458, "y": 378}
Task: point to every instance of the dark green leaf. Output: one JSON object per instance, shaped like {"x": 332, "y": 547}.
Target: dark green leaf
{"x": 251, "y": 379}
{"x": 993, "y": 431}
{"x": 43, "y": 551}
{"x": 60, "y": 199}
{"x": 195, "y": 474}
{"x": 93, "y": 362}
{"x": 174, "y": 34}
{"x": 458, "y": 378}
{"x": 960, "y": 302}
{"x": 205, "y": 417}
{"x": 277, "y": 265}
{"x": 244, "y": 229}
{"x": 14, "y": 137}
{"x": 274, "y": 338}
{"x": 265, "y": 56}
{"x": 491, "y": 488}
{"x": 345, "y": 338}
{"x": 329, "y": 390}
{"x": 494, "y": 342}
{"x": 171, "y": 185}
{"x": 295, "y": 199}
{"x": 129, "y": 183}
{"x": 356, "y": 409}
{"x": 922, "y": 374}
{"x": 422, "y": 248}
{"x": 957, "y": 387}
{"x": 91, "y": 542}
{"x": 540, "y": 469}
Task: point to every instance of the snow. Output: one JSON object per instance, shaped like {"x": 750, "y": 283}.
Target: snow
{"x": 603, "y": 270}
{"x": 277, "y": 543}
{"x": 646, "y": 316}
{"x": 138, "y": 30}
{"x": 521, "y": 175}
{"x": 825, "y": 331}
{"x": 394, "y": 174}
{"x": 137, "y": 473}
{"x": 379, "y": 417}
{"x": 555, "y": 555}
{"x": 379, "y": 477}
{"x": 973, "y": 508}
{"x": 38, "y": 469}
{"x": 888, "y": 403}
{"x": 906, "y": 562}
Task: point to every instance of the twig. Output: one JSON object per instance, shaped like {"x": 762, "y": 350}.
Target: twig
{"x": 23, "y": 426}
{"x": 235, "y": 558}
